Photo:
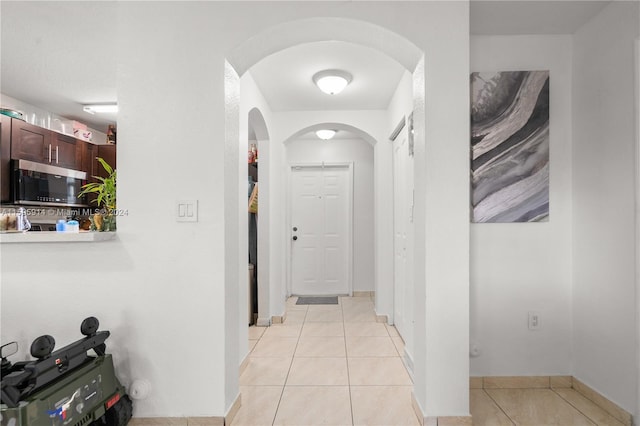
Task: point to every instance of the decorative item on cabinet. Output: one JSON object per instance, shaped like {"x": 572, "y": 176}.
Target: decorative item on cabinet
{"x": 111, "y": 134}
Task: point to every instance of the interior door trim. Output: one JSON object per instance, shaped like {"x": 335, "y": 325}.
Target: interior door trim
{"x": 287, "y": 235}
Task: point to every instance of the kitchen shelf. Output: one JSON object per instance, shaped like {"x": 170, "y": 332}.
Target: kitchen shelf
{"x": 55, "y": 237}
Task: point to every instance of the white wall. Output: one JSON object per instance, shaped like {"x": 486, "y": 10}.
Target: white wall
{"x": 168, "y": 291}
{"x": 604, "y": 288}
{"x": 521, "y": 267}
{"x": 441, "y": 220}
{"x": 360, "y": 153}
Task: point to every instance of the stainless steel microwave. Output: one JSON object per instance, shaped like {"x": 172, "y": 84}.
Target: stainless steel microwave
{"x": 38, "y": 184}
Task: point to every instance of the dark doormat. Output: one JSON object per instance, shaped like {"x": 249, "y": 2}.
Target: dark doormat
{"x": 317, "y": 300}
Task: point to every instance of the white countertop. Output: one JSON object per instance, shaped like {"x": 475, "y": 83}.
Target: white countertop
{"x": 55, "y": 237}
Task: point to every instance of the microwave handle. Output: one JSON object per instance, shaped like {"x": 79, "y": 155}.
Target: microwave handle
{"x": 57, "y": 148}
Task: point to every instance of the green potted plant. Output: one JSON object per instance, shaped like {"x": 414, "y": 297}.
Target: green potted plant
{"x": 105, "y": 189}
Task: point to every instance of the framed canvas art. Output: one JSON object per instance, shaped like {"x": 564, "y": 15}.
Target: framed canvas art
{"x": 510, "y": 146}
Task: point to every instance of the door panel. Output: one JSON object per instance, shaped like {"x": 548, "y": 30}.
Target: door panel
{"x": 399, "y": 234}
{"x": 403, "y": 238}
{"x": 320, "y": 210}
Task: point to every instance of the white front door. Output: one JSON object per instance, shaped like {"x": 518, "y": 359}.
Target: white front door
{"x": 320, "y": 230}
{"x": 403, "y": 237}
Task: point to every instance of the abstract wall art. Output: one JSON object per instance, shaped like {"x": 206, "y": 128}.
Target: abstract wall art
{"x": 510, "y": 146}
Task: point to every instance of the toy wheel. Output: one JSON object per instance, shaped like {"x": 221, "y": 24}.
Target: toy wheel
{"x": 120, "y": 413}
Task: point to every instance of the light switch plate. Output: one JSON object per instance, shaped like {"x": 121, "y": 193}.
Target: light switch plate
{"x": 187, "y": 210}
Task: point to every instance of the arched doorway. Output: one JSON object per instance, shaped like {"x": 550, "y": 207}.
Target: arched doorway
{"x": 290, "y": 34}
{"x": 344, "y": 169}
{"x": 258, "y": 135}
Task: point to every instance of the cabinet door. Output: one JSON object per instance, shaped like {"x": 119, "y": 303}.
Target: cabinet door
{"x": 29, "y": 142}
{"x": 5, "y": 158}
{"x": 88, "y": 155}
{"x": 65, "y": 152}
{"x": 108, "y": 154}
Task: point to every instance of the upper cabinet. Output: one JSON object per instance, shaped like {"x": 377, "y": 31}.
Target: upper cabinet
{"x": 5, "y": 158}
{"x": 108, "y": 154}
{"x": 29, "y": 142}
{"x": 65, "y": 151}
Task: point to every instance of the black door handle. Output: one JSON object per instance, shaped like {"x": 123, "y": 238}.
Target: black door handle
{"x": 295, "y": 228}
{"x": 295, "y": 237}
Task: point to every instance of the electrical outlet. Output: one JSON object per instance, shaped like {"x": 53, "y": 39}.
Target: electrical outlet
{"x": 534, "y": 321}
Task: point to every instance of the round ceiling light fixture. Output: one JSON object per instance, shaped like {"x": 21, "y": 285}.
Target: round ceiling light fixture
{"x": 325, "y": 134}
{"x": 332, "y": 81}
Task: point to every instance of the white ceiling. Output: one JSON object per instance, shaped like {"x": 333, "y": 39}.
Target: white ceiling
{"x": 531, "y": 17}
{"x": 60, "y": 55}
{"x": 285, "y": 78}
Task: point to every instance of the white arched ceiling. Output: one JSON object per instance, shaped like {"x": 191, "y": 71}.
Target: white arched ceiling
{"x": 311, "y": 30}
{"x": 334, "y": 126}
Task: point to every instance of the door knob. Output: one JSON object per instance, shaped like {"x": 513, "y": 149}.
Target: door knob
{"x": 295, "y": 228}
{"x": 295, "y": 237}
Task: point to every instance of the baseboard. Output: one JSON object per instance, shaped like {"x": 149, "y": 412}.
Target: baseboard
{"x": 552, "y": 382}
{"x": 440, "y": 420}
{"x": 610, "y": 407}
{"x": 177, "y": 421}
{"x": 244, "y": 363}
{"x": 417, "y": 409}
{"x": 233, "y": 410}
{"x": 448, "y": 421}
{"x": 263, "y": 322}
{"x": 364, "y": 294}
{"x": 407, "y": 359}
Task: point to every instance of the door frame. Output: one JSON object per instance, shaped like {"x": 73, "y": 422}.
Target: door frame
{"x": 396, "y": 285}
{"x": 288, "y": 233}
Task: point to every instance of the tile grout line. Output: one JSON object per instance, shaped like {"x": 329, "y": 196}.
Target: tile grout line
{"x": 498, "y": 405}
{"x": 576, "y": 408}
{"x": 346, "y": 360}
{"x": 275, "y": 415}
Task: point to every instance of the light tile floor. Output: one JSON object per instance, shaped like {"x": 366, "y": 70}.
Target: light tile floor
{"x": 334, "y": 365}
{"x": 536, "y": 407}
{"x": 326, "y": 365}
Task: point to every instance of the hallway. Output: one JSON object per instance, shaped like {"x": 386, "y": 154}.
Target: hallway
{"x": 335, "y": 365}
{"x": 336, "y": 356}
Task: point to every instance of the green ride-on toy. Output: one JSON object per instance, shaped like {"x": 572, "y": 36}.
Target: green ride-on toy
{"x": 66, "y": 387}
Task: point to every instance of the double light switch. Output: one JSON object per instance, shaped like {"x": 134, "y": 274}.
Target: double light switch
{"x": 187, "y": 211}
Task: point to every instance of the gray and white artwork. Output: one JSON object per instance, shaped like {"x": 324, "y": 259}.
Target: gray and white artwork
{"x": 510, "y": 146}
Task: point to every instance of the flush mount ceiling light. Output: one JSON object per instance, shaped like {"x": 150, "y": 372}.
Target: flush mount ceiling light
{"x": 332, "y": 81}
{"x": 325, "y": 134}
{"x": 100, "y": 108}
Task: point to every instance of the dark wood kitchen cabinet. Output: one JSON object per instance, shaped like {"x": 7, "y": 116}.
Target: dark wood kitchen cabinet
{"x": 5, "y": 158}
{"x": 108, "y": 154}
{"x": 29, "y": 142}
{"x": 33, "y": 143}
{"x": 88, "y": 153}
{"x": 65, "y": 151}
